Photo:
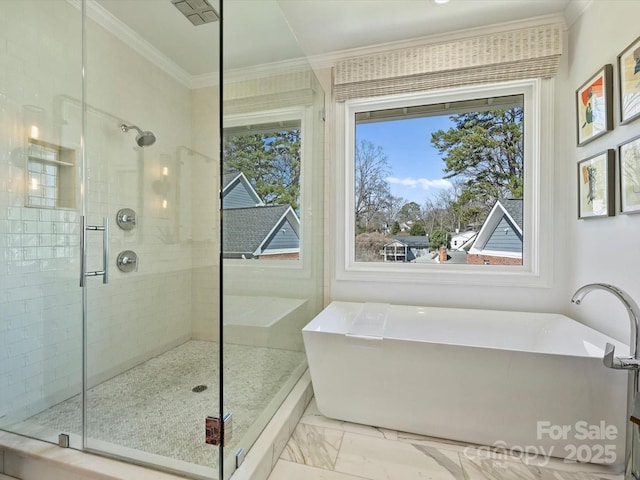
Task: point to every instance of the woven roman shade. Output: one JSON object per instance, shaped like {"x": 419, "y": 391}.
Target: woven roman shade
{"x": 532, "y": 52}
{"x": 286, "y": 89}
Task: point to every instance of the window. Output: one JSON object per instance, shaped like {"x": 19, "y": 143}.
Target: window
{"x": 433, "y": 172}
{"x": 464, "y": 171}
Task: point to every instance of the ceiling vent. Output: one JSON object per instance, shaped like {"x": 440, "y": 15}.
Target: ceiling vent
{"x": 197, "y": 12}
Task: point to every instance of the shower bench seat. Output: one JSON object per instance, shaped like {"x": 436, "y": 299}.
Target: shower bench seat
{"x": 264, "y": 321}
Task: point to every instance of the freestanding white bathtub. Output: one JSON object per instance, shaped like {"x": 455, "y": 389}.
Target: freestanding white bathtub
{"x": 529, "y": 382}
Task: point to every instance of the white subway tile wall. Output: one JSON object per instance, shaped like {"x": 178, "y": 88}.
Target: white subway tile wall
{"x": 40, "y": 301}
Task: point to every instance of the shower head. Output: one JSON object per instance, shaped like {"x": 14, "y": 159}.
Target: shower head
{"x": 143, "y": 139}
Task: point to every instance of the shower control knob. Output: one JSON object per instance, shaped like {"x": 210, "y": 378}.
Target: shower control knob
{"x": 127, "y": 261}
{"x": 126, "y": 218}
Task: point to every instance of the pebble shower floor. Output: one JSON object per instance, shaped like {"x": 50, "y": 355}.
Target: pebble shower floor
{"x": 152, "y": 407}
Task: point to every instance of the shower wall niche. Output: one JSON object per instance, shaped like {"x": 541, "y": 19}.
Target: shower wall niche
{"x": 51, "y": 178}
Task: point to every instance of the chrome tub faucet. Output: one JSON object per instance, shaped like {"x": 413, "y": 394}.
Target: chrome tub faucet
{"x": 631, "y": 363}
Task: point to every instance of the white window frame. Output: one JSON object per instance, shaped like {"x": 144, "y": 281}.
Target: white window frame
{"x": 300, "y": 268}
{"x": 538, "y": 221}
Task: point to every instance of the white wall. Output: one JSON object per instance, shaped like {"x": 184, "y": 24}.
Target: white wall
{"x": 599, "y": 250}
{"x": 602, "y": 250}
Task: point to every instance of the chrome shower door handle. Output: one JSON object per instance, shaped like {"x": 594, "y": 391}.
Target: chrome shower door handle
{"x": 83, "y": 250}
{"x": 105, "y": 250}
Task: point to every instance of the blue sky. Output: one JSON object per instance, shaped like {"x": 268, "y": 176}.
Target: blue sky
{"x": 415, "y": 165}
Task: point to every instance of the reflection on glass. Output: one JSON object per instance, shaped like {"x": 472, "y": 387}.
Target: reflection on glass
{"x": 261, "y": 192}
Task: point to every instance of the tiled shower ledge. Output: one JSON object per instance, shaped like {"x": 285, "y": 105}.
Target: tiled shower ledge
{"x": 30, "y": 459}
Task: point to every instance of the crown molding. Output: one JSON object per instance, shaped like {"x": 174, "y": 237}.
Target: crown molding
{"x": 105, "y": 19}
{"x": 134, "y": 41}
{"x": 205, "y": 80}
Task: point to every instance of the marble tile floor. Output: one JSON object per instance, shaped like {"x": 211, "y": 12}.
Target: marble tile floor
{"x": 143, "y": 407}
{"x": 325, "y": 449}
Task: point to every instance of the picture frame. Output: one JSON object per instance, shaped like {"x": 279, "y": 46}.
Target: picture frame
{"x": 594, "y": 110}
{"x": 629, "y": 175}
{"x": 596, "y": 185}
{"x": 629, "y": 82}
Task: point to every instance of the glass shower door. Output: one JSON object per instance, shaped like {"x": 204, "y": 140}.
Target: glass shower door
{"x": 40, "y": 159}
{"x": 151, "y": 362}
{"x": 109, "y": 133}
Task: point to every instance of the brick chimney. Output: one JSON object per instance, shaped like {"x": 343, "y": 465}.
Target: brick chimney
{"x": 442, "y": 254}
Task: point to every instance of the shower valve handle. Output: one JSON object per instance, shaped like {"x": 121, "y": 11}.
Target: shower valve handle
{"x": 618, "y": 363}
{"x": 127, "y": 261}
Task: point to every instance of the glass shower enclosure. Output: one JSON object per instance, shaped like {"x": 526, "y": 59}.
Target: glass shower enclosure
{"x": 130, "y": 325}
{"x": 272, "y": 181}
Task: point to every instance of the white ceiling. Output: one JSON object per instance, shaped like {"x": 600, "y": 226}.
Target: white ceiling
{"x": 266, "y": 31}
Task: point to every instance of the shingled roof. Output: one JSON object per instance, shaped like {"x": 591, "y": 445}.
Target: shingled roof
{"x": 227, "y": 178}
{"x": 245, "y": 229}
{"x": 413, "y": 241}
{"x": 513, "y": 206}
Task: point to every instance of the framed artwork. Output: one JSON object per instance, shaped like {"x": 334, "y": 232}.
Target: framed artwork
{"x": 593, "y": 105}
{"x": 629, "y": 173}
{"x": 629, "y": 78}
{"x": 596, "y": 186}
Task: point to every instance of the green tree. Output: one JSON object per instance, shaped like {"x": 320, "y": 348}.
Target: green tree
{"x": 485, "y": 150}
{"x": 395, "y": 229}
{"x": 270, "y": 161}
{"x": 417, "y": 229}
{"x": 437, "y": 238}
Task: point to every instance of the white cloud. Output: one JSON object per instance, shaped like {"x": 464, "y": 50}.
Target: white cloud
{"x": 423, "y": 183}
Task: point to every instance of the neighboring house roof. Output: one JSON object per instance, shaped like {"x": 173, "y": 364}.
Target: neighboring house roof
{"x": 453, "y": 257}
{"x": 513, "y": 206}
{"x": 466, "y": 246}
{"x": 252, "y": 231}
{"x": 463, "y": 240}
{"x": 501, "y": 233}
{"x": 237, "y": 191}
{"x": 412, "y": 241}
